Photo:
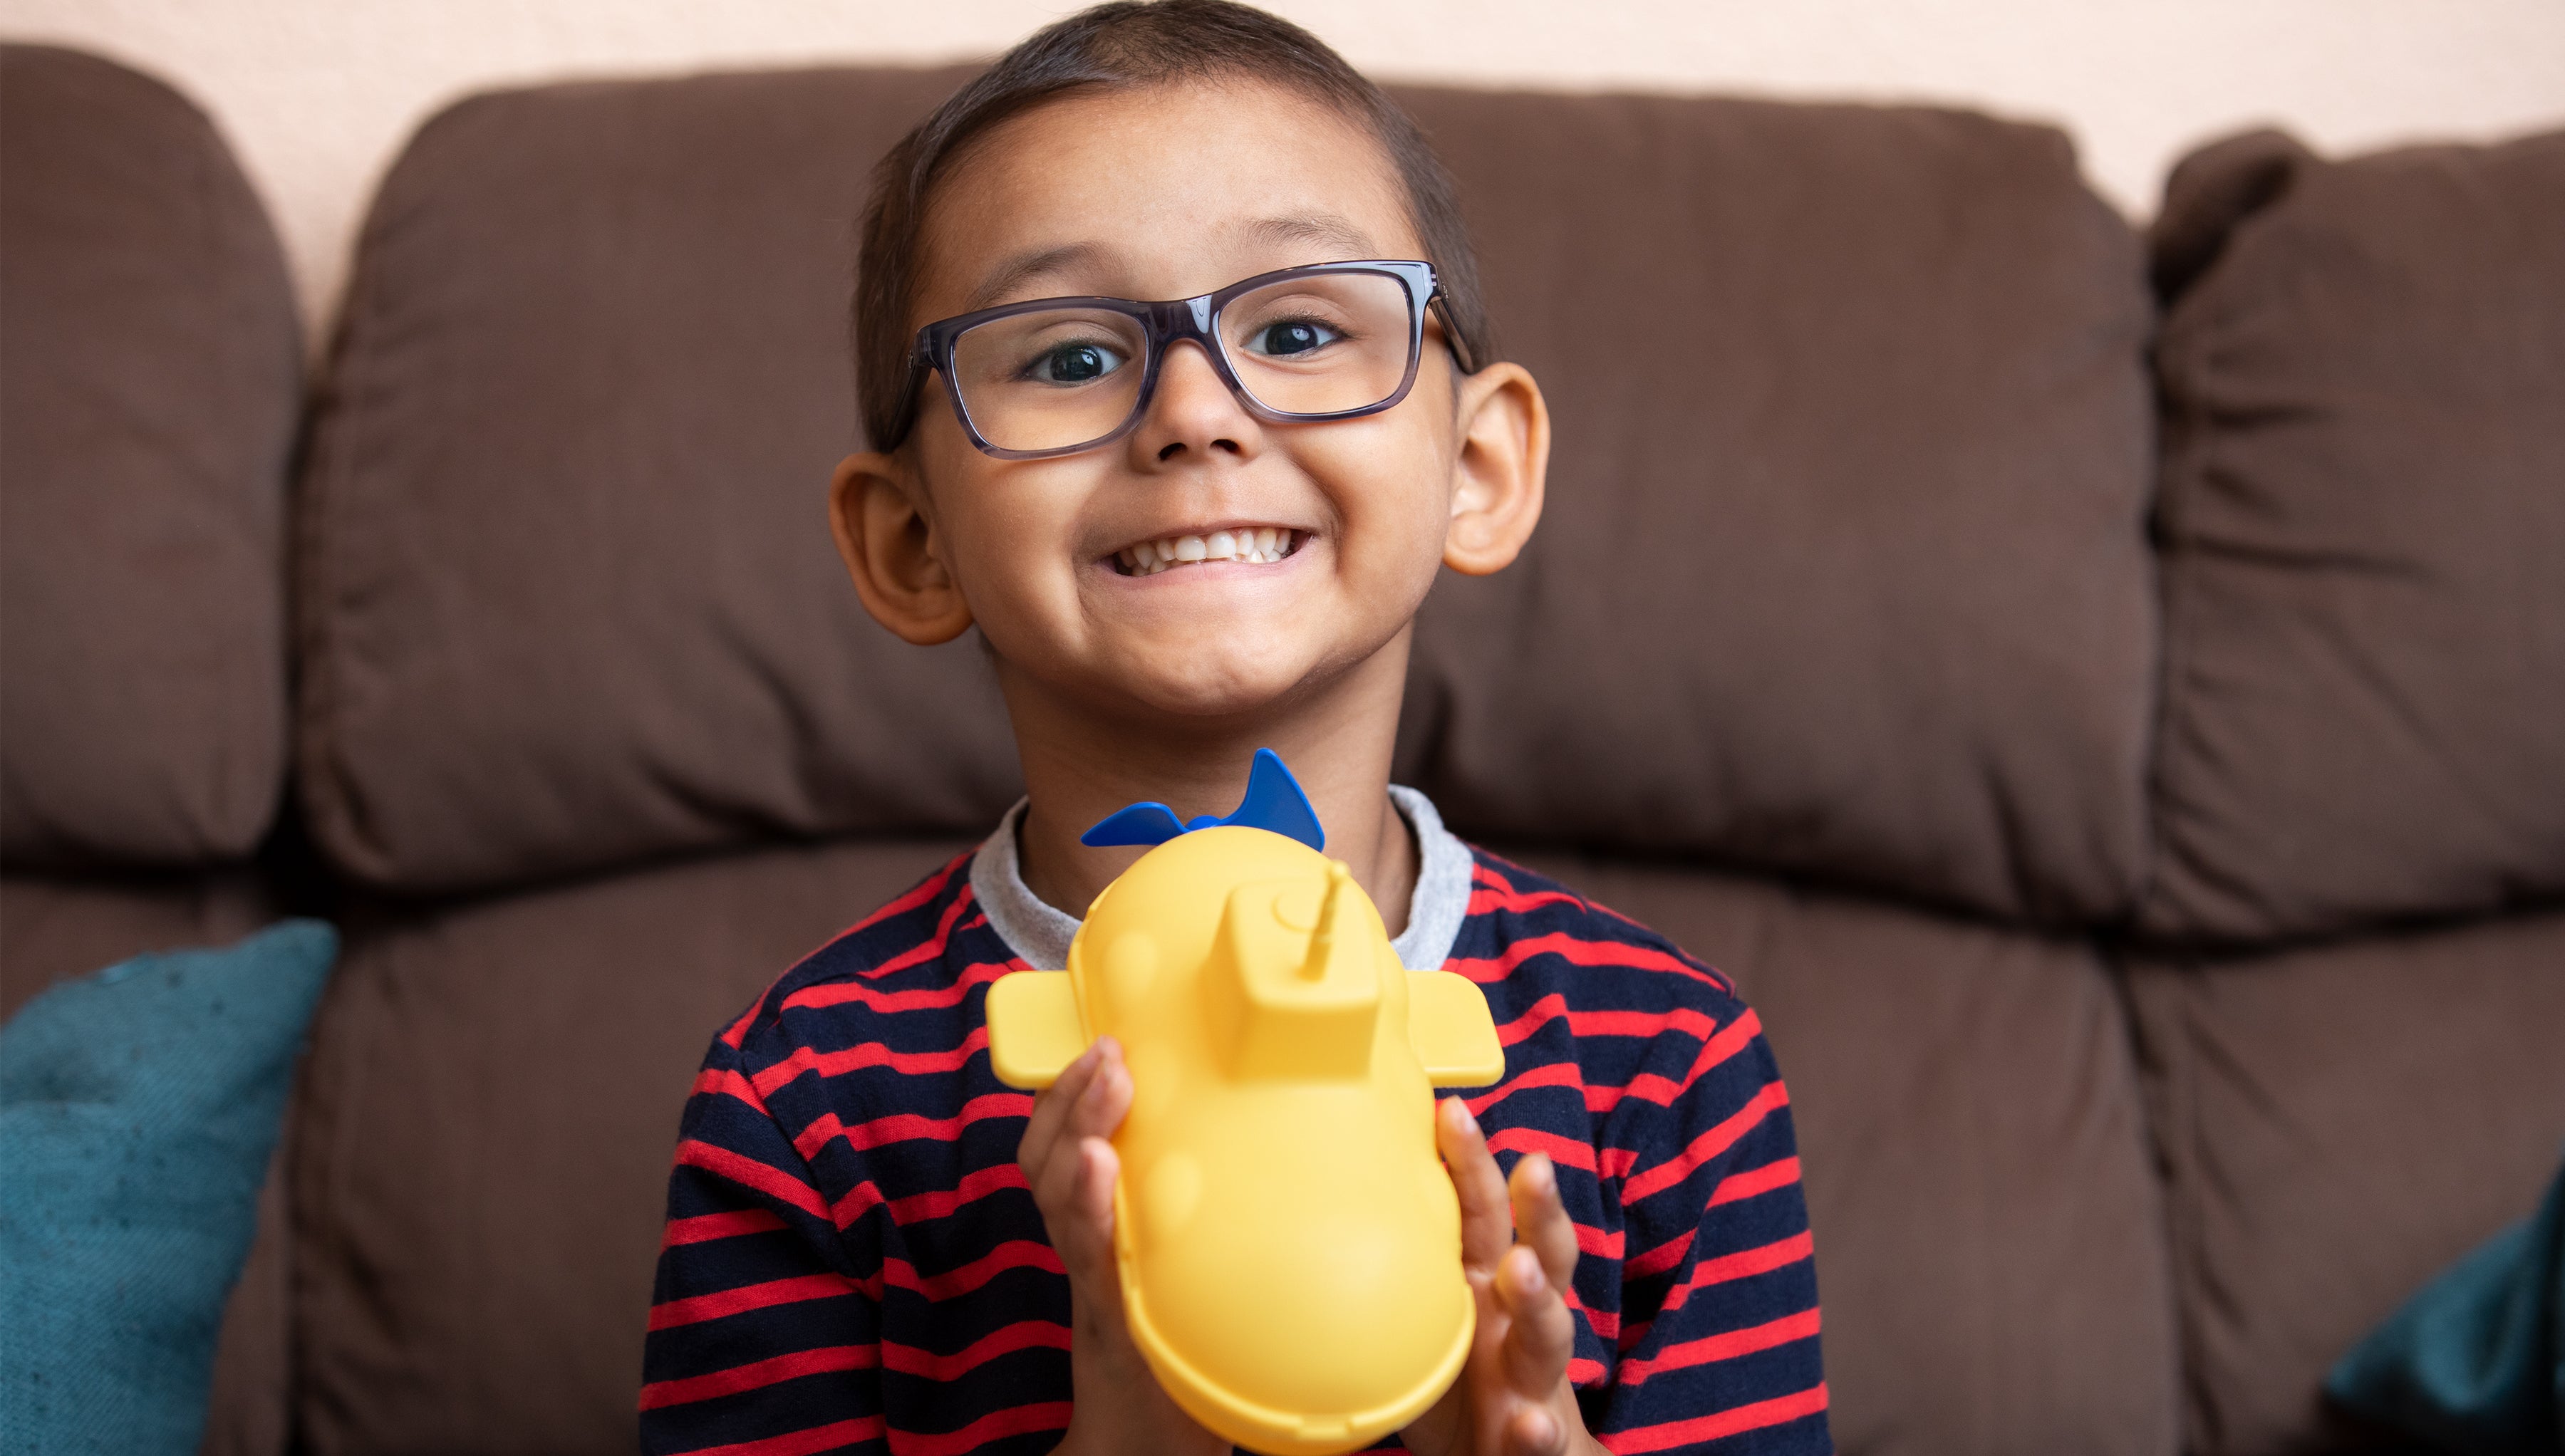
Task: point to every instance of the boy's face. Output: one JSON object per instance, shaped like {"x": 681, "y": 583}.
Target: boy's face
{"x": 1166, "y": 193}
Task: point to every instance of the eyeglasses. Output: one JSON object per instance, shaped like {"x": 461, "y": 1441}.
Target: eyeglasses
{"x": 1052, "y": 376}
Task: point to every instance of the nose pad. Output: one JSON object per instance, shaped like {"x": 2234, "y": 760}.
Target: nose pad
{"x": 1293, "y": 991}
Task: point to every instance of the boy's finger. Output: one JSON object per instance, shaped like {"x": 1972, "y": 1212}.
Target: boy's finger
{"x": 1542, "y": 1334}
{"x": 1534, "y": 1431}
{"x": 1050, "y": 1109}
{"x": 1486, "y": 1224}
{"x": 1082, "y": 1226}
{"x": 1105, "y": 1098}
{"x": 1541, "y": 1220}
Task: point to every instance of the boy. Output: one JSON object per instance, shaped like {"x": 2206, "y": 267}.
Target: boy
{"x": 1186, "y": 532}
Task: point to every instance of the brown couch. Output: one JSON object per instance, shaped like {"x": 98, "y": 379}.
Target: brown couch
{"x": 2101, "y": 694}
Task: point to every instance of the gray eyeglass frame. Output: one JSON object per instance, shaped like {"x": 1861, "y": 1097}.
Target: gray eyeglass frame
{"x": 1165, "y": 325}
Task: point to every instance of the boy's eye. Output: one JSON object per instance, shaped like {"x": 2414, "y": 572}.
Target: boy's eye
{"x": 1074, "y": 363}
{"x": 1291, "y": 337}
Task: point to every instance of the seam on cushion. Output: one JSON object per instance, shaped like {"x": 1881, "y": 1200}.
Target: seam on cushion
{"x": 2182, "y": 449}
{"x": 334, "y": 820}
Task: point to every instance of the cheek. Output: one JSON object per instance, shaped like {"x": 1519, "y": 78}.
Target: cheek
{"x": 999, "y": 525}
{"x": 1395, "y": 498}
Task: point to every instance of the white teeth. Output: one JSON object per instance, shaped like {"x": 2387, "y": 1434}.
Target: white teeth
{"x": 1260, "y": 545}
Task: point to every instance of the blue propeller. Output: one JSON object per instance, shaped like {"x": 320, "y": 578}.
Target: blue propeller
{"x": 1274, "y": 801}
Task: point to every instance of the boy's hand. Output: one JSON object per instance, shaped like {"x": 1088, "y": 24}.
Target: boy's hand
{"x": 1071, "y": 1167}
{"x": 1512, "y": 1398}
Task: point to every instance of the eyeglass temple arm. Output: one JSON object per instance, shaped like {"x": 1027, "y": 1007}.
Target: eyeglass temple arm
{"x": 1451, "y": 336}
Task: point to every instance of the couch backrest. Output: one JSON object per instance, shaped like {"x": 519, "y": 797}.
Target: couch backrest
{"x": 2364, "y": 525}
{"x": 151, "y": 388}
{"x": 1844, "y": 570}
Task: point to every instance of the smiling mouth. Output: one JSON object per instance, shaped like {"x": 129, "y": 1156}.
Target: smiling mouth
{"x": 1256, "y": 546}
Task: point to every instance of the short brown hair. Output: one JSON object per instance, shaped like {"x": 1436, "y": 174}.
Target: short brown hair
{"x": 1130, "y": 43}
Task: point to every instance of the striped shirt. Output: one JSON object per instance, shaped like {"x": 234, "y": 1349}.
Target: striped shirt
{"x": 852, "y": 1261}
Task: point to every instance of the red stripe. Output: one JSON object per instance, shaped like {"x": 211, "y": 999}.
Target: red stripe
{"x": 1013, "y": 1254}
{"x": 748, "y": 1172}
{"x": 924, "y": 998}
{"x": 1050, "y": 1415}
{"x": 907, "y": 1127}
{"x": 1740, "y": 1034}
{"x": 1779, "y": 1173}
{"x": 1585, "y": 1372}
{"x": 1707, "y": 1145}
{"x": 926, "y": 890}
{"x": 722, "y": 1082}
{"x": 1599, "y": 1243}
{"x": 1606, "y": 1323}
{"x": 867, "y": 1054}
{"x": 750, "y": 1376}
{"x": 1485, "y": 875}
{"x": 1727, "y": 1422}
{"x": 705, "y": 1227}
{"x": 1491, "y": 893}
{"x": 1548, "y": 1074}
{"x": 1567, "y": 1152}
{"x": 722, "y": 1303}
{"x": 1577, "y": 950}
{"x": 908, "y": 1359}
{"x": 930, "y": 948}
{"x": 1553, "y": 1006}
{"x": 1745, "y": 1264}
{"x": 1725, "y": 1346}
{"x": 1658, "y": 1260}
{"x": 802, "y": 1443}
{"x": 921, "y": 1208}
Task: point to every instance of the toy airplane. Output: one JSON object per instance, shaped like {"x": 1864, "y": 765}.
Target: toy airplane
{"x": 1289, "y": 1241}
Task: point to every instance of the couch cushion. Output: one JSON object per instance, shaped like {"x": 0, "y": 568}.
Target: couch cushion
{"x": 569, "y": 595}
{"x": 152, "y": 384}
{"x": 2363, "y": 512}
{"x": 482, "y": 1159}
{"x": 1855, "y": 478}
{"x": 2339, "y": 1125}
{"x": 55, "y": 928}
{"x": 1990, "y": 1238}
{"x": 1845, "y": 568}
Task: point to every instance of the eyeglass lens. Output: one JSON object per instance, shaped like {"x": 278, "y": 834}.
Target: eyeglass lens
{"x": 1311, "y": 345}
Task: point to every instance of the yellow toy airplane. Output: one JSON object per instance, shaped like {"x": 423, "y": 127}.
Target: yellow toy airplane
{"x": 1289, "y": 1243}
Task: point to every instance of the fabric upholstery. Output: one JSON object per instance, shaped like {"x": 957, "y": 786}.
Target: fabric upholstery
{"x": 2338, "y": 1125}
{"x": 568, "y": 601}
{"x": 1989, "y": 1241}
{"x": 152, "y": 385}
{"x": 568, "y": 592}
{"x": 138, "y": 1107}
{"x": 2363, "y": 512}
{"x": 482, "y": 1160}
{"x": 1843, "y": 569}
{"x": 55, "y": 928}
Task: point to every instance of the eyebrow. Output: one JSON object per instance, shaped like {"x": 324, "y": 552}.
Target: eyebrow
{"x": 1016, "y": 272}
{"x": 1324, "y": 229}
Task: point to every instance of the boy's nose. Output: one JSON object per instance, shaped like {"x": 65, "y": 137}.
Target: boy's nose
{"x": 1194, "y": 412}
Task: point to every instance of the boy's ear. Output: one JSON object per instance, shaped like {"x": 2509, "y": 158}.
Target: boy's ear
{"x": 889, "y": 546}
{"x": 1502, "y": 471}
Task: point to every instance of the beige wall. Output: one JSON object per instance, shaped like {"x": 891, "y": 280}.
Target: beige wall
{"x": 319, "y": 93}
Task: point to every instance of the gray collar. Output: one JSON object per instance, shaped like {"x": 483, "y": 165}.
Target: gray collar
{"x": 1039, "y": 934}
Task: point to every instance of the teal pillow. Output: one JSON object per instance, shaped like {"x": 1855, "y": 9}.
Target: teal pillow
{"x": 137, "y": 1109}
{"x": 2475, "y": 1363}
